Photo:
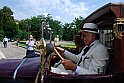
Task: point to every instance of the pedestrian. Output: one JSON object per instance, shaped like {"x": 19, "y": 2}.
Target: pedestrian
{"x": 17, "y": 42}
{"x": 5, "y": 41}
{"x": 56, "y": 40}
{"x": 35, "y": 41}
{"x": 30, "y": 47}
{"x": 91, "y": 60}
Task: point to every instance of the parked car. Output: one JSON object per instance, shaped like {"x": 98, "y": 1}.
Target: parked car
{"x": 8, "y": 39}
{"x": 12, "y": 40}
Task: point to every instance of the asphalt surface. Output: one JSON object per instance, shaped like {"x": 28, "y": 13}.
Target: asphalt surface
{"x": 14, "y": 52}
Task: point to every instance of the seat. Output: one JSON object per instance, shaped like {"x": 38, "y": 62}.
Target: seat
{"x": 110, "y": 68}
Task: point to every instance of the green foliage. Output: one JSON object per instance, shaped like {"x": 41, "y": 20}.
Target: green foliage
{"x": 32, "y": 25}
{"x": 35, "y": 27}
{"x": 1, "y": 34}
{"x": 57, "y": 28}
{"x": 11, "y": 29}
{"x": 8, "y": 26}
{"x": 22, "y": 25}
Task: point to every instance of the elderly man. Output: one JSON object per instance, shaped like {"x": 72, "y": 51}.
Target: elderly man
{"x": 91, "y": 60}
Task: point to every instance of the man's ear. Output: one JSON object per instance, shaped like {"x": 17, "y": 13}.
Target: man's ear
{"x": 94, "y": 35}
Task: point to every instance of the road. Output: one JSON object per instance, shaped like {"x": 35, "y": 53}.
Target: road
{"x": 12, "y": 51}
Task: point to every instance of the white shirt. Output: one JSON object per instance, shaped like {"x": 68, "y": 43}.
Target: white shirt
{"x": 5, "y": 39}
{"x": 30, "y": 45}
{"x": 56, "y": 40}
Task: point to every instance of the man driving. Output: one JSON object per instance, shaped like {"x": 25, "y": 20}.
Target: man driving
{"x": 92, "y": 59}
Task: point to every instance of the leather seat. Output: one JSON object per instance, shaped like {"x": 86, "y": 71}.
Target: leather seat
{"x": 110, "y": 68}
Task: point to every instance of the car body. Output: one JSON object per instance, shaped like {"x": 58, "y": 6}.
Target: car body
{"x": 27, "y": 72}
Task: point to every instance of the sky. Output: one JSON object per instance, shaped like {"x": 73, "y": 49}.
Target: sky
{"x": 61, "y": 10}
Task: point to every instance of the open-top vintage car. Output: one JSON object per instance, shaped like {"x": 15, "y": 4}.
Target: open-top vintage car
{"x": 110, "y": 21}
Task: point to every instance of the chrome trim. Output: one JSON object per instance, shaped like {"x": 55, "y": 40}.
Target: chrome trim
{"x": 16, "y": 70}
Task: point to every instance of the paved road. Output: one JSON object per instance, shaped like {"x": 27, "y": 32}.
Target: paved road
{"x": 11, "y": 52}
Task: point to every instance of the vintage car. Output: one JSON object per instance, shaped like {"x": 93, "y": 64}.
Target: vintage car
{"x": 110, "y": 20}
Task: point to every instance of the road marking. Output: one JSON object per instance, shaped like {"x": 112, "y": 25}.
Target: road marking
{"x": 2, "y": 55}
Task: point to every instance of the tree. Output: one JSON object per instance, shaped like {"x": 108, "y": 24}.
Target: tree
{"x": 1, "y": 25}
{"x": 8, "y": 25}
{"x": 24, "y": 26}
{"x": 70, "y": 28}
{"x": 7, "y": 14}
{"x": 11, "y": 29}
{"x": 57, "y": 28}
{"x": 32, "y": 26}
{"x": 35, "y": 27}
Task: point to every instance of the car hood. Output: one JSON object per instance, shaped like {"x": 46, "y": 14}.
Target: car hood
{"x": 28, "y": 68}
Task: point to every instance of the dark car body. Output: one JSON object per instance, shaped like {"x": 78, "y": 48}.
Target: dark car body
{"x": 28, "y": 70}
{"x": 25, "y": 74}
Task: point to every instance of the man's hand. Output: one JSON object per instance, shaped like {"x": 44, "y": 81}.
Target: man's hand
{"x": 59, "y": 49}
{"x": 69, "y": 65}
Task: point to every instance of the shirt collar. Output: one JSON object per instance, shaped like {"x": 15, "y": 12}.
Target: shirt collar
{"x": 92, "y": 43}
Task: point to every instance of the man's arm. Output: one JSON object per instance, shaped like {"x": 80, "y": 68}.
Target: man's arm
{"x": 68, "y": 55}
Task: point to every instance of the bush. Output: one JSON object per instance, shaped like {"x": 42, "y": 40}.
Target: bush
{"x": 22, "y": 42}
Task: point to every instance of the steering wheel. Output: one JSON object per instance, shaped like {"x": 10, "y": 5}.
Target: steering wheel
{"x": 58, "y": 54}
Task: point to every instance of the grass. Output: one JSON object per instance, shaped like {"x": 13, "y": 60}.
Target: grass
{"x": 66, "y": 46}
{"x": 20, "y": 44}
{"x": 71, "y": 46}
